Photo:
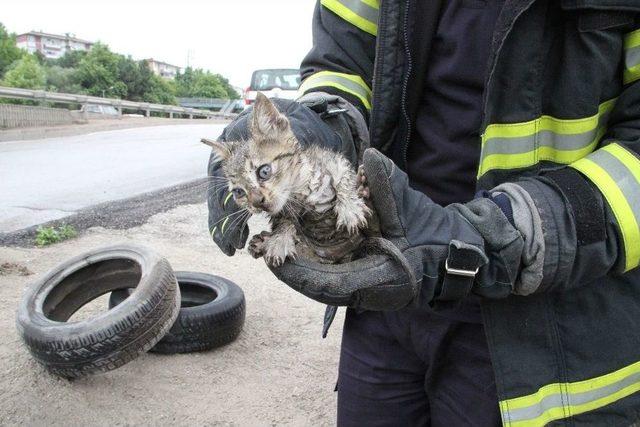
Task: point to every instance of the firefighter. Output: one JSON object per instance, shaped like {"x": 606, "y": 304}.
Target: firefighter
{"x": 504, "y": 165}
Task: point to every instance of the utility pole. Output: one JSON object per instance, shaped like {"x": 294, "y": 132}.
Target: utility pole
{"x": 189, "y": 55}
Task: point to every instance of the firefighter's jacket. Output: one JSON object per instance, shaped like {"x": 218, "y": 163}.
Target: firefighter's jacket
{"x": 562, "y": 112}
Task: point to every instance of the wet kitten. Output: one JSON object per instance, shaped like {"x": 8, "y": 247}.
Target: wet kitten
{"x": 309, "y": 193}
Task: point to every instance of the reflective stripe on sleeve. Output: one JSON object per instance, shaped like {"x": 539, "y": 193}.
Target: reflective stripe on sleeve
{"x": 360, "y": 13}
{"x": 349, "y": 83}
{"x": 631, "y": 57}
{"x": 616, "y": 173}
{"x": 562, "y": 400}
{"x": 520, "y": 145}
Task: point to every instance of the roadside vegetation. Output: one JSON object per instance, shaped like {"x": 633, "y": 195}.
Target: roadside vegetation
{"x": 49, "y": 235}
{"x": 101, "y": 72}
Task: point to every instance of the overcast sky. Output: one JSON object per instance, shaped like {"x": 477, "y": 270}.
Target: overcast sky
{"x": 230, "y": 37}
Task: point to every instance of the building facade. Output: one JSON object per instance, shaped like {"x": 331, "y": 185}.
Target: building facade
{"x": 51, "y": 45}
{"x": 163, "y": 69}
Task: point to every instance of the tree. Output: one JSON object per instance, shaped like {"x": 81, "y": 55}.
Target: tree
{"x": 9, "y": 52}
{"x": 60, "y": 79}
{"x": 25, "y": 73}
{"x": 98, "y": 73}
{"x": 160, "y": 91}
{"x": 203, "y": 84}
{"x": 71, "y": 59}
{"x": 231, "y": 92}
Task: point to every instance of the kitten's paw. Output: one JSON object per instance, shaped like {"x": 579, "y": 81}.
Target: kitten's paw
{"x": 352, "y": 215}
{"x": 278, "y": 249}
{"x": 257, "y": 244}
{"x": 363, "y": 186}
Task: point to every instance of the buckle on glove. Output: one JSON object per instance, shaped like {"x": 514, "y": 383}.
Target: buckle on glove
{"x": 460, "y": 271}
{"x": 461, "y": 266}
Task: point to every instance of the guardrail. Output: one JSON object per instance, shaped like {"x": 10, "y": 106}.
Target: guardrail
{"x": 217, "y": 104}
{"x": 119, "y": 104}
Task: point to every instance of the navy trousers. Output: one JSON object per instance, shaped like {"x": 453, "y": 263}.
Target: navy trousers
{"x": 416, "y": 367}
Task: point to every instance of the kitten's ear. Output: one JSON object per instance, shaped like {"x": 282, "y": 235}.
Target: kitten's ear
{"x": 267, "y": 120}
{"x": 222, "y": 149}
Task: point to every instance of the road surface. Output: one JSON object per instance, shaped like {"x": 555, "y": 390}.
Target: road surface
{"x": 52, "y": 178}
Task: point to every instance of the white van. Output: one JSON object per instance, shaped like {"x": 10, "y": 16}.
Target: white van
{"x": 274, "y": 83}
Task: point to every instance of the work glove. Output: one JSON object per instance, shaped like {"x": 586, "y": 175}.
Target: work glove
{"x": 227, "y": 225}
{"x": 446, "y": 252}
{"x": 317, "y": 118}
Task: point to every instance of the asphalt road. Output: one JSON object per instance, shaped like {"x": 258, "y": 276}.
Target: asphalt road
{"x": 53, "y": 178}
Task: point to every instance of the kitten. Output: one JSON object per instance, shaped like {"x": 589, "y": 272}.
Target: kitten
{"x": 312, "y": 195}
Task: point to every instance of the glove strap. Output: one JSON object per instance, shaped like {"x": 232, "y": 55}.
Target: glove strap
{"x": 461, "y": 267}
{"x": 329, "y": 315}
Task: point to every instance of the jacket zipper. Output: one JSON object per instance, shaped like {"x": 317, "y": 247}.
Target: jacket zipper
{"x": 405, "y": 84}
{"x": 375, "y": 80}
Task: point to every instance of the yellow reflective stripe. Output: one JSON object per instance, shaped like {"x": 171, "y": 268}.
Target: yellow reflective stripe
{"x": 359, "y": 13}
{"x": 570, "y": 399}
{"x": 632, "y": 185}
{"x": 213, "y": 231}
{"x": 632, "y": 39}
{"x": 553, "y": 124}
{"x": 373, "y": 3}
{"x": 632, "y": 57}
{"x": 349, "y": 83}
{"x": 543, "y": 153}
{"x": 631, "y": 74}
{"x": 547, "y": 138}
{"x": 596, "y": 169}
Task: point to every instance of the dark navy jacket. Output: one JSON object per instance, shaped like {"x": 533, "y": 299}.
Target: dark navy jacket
{"x": 561, "y": 114}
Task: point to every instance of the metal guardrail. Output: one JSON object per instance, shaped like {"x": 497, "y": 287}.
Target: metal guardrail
{"x": 221, "y": 105}
{"x": 120, "y": 104}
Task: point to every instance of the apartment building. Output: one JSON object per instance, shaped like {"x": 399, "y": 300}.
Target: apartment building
{"x": 51, "y": 45}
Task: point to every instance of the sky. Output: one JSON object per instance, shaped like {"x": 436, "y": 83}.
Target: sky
{"x": 230, "y": 37}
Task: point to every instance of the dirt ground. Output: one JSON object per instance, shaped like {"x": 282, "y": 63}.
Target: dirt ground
{"x": 279, "y": 371}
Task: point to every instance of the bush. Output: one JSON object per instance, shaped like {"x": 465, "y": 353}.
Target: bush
{"x": 25, "y": 73}
{"x": 49, "y": 235}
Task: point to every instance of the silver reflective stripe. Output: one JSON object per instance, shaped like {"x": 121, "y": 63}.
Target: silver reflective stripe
{"x": 632, "y": 57}
{"x": 362, "y": 14}
{"x": 361, "y": 9}
{"x": 568, "y": 400}
{"x": 622, "y": 176}
{"x": 544, "y": 138}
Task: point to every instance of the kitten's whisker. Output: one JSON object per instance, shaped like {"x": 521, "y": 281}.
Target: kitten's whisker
{"x": 229, "y": 216}
{"x": 241, "y": 220}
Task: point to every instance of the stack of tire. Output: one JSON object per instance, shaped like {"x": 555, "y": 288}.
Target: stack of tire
{"x": 151, "y": 308}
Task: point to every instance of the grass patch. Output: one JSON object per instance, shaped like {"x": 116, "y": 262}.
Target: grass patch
{"x": 49, "y": 235}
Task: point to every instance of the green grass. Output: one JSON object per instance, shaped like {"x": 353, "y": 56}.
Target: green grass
{"x": 49, "y": 235}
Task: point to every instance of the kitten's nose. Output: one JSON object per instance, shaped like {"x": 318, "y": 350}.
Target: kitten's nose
{"x": 256, "y": 198}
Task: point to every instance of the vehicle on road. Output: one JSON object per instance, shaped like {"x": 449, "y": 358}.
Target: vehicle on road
{"x": 274, "y": 83}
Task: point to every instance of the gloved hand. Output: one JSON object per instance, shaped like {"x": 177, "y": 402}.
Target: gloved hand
{"x": 447, "y": 253}
{"x": 316, "y": 118}
{"x": 227, "y": 225}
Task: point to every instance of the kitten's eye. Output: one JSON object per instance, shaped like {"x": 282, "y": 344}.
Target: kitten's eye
{"x": 238, "y": 192}
{"x": 264, "y": 172}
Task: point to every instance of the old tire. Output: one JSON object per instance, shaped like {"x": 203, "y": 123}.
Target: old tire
{"x": 113, "y": 338}
{"x": 212, "y": 313}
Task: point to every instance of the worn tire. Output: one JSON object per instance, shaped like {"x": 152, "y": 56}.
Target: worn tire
{"x": 212, "y": 313}
{"x": 113, "y": 338}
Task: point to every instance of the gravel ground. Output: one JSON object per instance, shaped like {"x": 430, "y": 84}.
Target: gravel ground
{"x": 279, "y": 371}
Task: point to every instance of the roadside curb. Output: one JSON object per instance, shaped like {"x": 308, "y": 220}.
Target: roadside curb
{"x": 118, "y": 214}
